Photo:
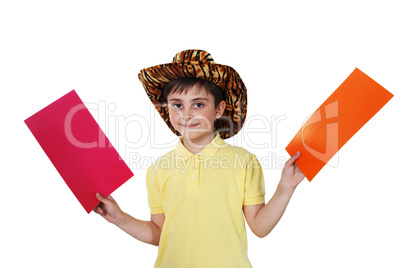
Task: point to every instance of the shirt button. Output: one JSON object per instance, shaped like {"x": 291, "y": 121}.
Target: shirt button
{"x": 193, "y": 177}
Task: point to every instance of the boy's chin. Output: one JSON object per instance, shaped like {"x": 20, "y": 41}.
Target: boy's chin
{"x": 193, "y": 135}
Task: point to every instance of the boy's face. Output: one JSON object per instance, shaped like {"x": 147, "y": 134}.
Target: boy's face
{"x": 192, "y": 113}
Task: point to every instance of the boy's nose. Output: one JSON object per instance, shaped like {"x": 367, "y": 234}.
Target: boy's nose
{"x": 187, "y": 115}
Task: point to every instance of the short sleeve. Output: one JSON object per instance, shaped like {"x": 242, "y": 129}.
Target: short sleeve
{"x": 154, "y": 193}
{"x": 254, "y": 186}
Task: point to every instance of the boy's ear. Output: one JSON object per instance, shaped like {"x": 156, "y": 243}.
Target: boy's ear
{"x": 220, "y": 109}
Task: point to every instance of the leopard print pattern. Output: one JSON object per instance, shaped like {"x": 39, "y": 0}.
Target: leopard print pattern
{"x": 200, "y": 64}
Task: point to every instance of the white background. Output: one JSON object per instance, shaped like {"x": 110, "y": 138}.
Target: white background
{"x": 290, "y": 54}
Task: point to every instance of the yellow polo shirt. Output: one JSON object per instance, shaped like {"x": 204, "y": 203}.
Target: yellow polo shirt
{"x": 202, "y": 196}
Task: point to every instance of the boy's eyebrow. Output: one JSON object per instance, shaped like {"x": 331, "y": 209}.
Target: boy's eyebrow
{"x": 195, "y": 99}
{"x": 174, "y": 99}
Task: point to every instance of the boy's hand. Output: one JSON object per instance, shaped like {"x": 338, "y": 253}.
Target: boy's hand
{"x": 108, "y": 208}
{"x": 291, "y": 174}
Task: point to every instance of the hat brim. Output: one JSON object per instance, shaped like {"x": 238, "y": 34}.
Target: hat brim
{"x": 155, "y": 78}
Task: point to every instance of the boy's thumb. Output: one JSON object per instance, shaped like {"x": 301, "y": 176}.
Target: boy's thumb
{"x": 103, "y": 199}
{"x": 297, "y": 155}
{"x": 100, "y": 197}
{"x": 293, "y": 159}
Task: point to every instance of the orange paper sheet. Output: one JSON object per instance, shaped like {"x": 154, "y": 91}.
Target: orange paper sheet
{"x": 347, "y": 110}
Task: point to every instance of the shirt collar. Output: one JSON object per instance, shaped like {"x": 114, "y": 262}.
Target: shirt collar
{"x": 208, "y": 151}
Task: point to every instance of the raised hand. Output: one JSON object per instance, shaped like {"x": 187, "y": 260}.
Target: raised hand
{"x": 291, "y": 174}
{"x": 108, "y": 208}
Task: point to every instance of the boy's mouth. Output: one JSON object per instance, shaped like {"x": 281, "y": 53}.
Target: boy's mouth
{"x": 189, "y": 125}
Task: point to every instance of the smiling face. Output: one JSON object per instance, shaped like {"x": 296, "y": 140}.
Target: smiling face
{"x": 193, "y": 112}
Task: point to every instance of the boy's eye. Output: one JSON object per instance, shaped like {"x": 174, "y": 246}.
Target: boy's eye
{"x": 199, "y": 105}
{"x": 177, "y": 105}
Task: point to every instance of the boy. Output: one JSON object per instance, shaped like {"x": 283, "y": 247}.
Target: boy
{"x": 199, "y": 191}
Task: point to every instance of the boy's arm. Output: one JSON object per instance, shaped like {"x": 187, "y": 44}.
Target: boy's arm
{"x": 263, "y": 218}
{"x": 145, "y": 231}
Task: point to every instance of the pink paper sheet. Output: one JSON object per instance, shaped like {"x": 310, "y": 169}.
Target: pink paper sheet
{"x": 79, "y": 150}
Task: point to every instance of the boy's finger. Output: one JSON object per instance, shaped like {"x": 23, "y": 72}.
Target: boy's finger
{"x": 299, "y": 169}
{"x": 99, "y": 210}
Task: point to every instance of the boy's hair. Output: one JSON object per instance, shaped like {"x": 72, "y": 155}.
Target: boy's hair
{"x": 182, "y": 84}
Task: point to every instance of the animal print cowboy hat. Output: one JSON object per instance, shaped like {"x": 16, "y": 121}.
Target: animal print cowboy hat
{"x": 199, "y": 64}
